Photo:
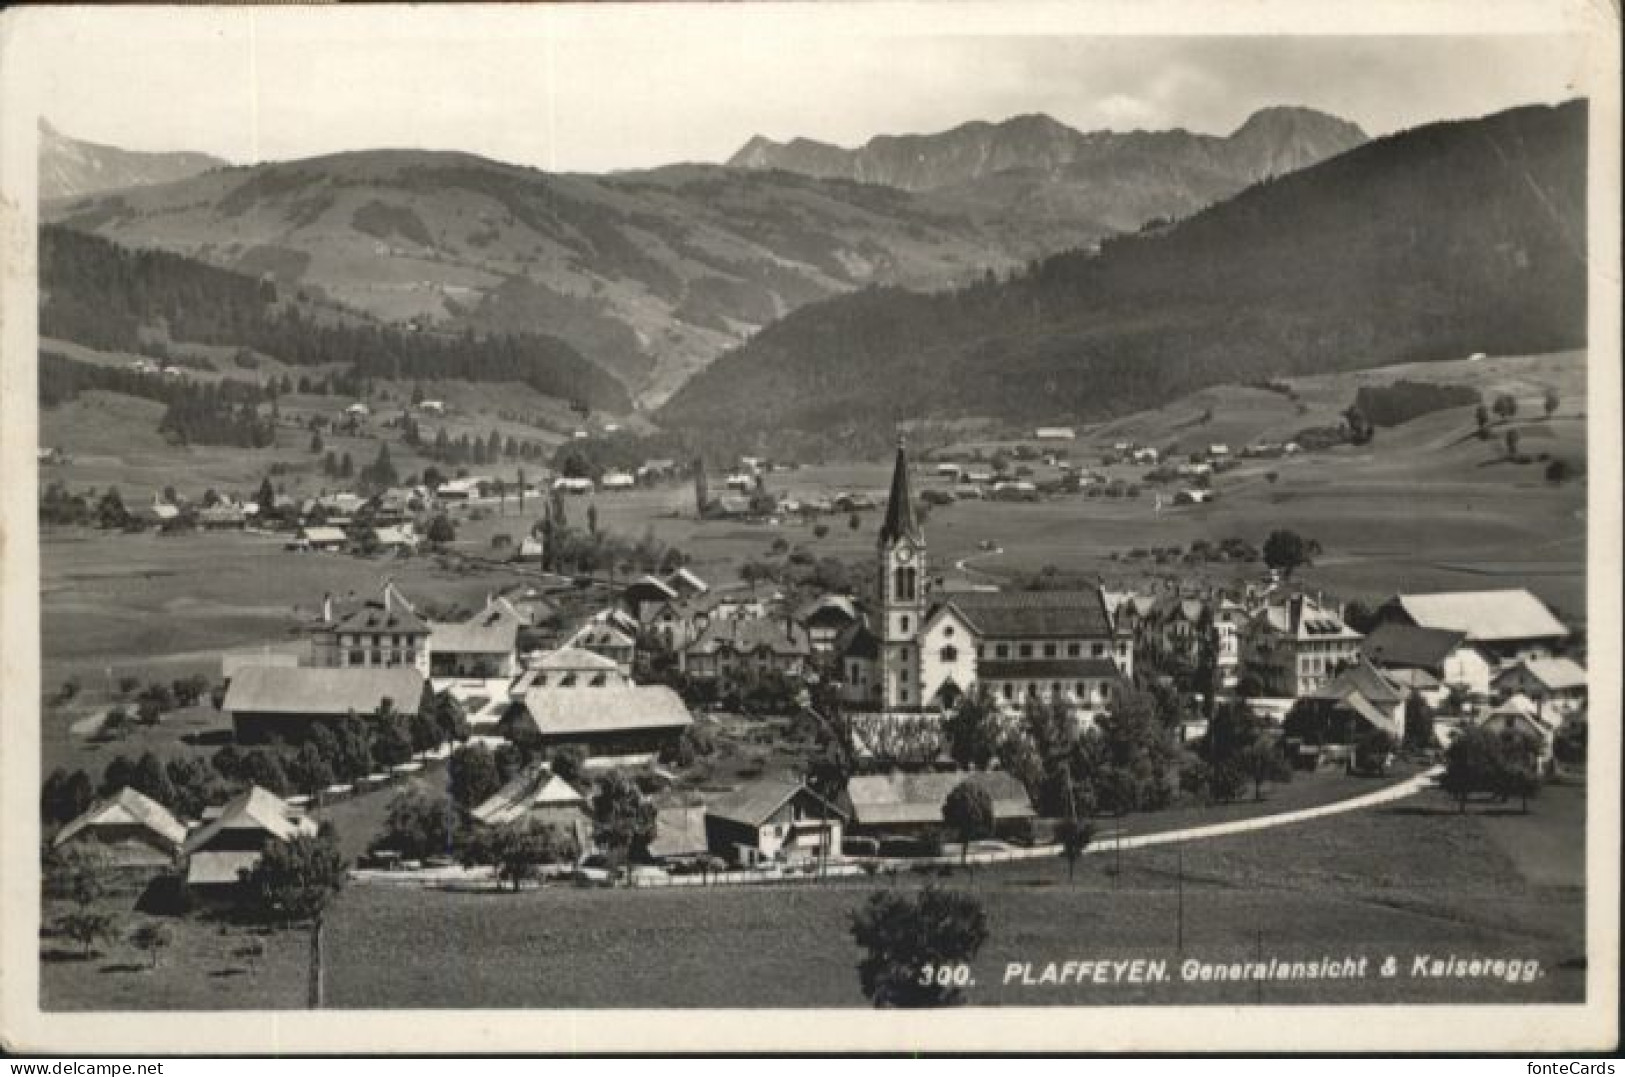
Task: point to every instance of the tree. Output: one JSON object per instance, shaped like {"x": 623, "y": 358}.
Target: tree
{"x": 76, "y": 873}
{"x": 1506, "y": 406}
{"x": 1418, "y": 724}
{"x": 625, "y": 820}
{"x": 519, "y": 849}
{"x": 153, "y": 939}
{"x": 1512, "y": 438}
{"x": 913, "y": 945}
{"x": 820, "y": 530}
{"x": 309, "y": 771}
{"x": 852, "y": 522}
{"x": 442, "y": 530}
{"x": 568, "y": 761}
{"x": 150, "y": 779}
{"x": 419, "y": 825}
{"x": 1262, "y": 762}
{"x": 65, "y": 796}
{"x": 972, "y": 730}
{"x": 295, "y": 880}
{"x": 1286, "y": 551}
{"x": 1550, "y": 401}
{"x": 110, "y": 511}
{"x": 474, "y": 775}
{"x": 1074, "y": 837}
{"x": 1482, "y": 416}
{"x": 450, "y": 717}
{"x": 87, "y": 928}
{"x": 968, "y": 809}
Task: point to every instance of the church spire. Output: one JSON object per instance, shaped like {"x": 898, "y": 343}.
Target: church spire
{"x": 900, "y": 522}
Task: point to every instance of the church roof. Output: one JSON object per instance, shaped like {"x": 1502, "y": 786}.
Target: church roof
{"x": 1034, "y": 614}
{"x": 900, "y": 521}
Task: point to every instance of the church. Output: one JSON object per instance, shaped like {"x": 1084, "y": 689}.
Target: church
{"x": 924, "y": 651}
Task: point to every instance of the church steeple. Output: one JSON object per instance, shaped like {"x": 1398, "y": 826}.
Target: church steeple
{"x": 900, "y": 522}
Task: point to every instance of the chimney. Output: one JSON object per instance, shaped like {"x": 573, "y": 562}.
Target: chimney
{"x": 389, "y": 597}
{"x": 327, "y": 608}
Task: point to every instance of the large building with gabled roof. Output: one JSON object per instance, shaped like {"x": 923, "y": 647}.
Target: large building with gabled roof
{"x": 929, "y": 649}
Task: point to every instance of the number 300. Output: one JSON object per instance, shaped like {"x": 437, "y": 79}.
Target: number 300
{"x": 945, "y": 975}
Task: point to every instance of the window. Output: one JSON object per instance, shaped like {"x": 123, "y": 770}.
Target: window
{"x": 903, "y": 581}
{"x": 377, "y": 657}
{"x": 1073, "y": 650}
{"x": 377, "y": 640}
{"x": 1009, "y": 691}
{"x": 1080, "y": 690}
{"x": 948, "y": 654}
{"x": 1049, "y": 650}
{"x": 357, "y": 657}
{"x": 904, "y": 695}
{"x": 1055, "y": 689}
{"x": 1002, "y": 650}
{"x": 853, "y": 676}
{"x": 904, "y": 622}
{"x": 1025, "y": 650}
{"x": 1098, "y": 650}
{"x": 948, "y": 632}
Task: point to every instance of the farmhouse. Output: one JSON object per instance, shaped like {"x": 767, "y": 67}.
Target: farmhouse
{"x": 486, "y": 645}
{"x": 1361, "y": 695}
{"x": 318, "y": 538}
{"x": 132, "y": 830}
{"x": 1508, "y": 625}
{"x": 617, "y": 480}
{"x": 911, "y": 803}
{"x": 269, "y": 703}
{"x": 224, "y": 516}
{"x": 1146, "y": 456}
{"x": 433, "y": 407}
{"x": 233, "y": 841}
{"x": 358, "y": 410}
{"x": 930, "y": 650}
{"x": 632, "y": 723}
{"x": 1444, "y": 654}
{"x": 773, "y": 821}
{"x": 537, "y": 795}
{"x": 1517, "y": 717}
{"x": 398, "y": 538}
{"x": 1556, "y": 685}
{"x": 1055, "y": 433}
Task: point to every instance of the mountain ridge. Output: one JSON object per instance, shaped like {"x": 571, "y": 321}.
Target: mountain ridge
{"x": 71, "y": 167}
{"x": 1440, "y": 241}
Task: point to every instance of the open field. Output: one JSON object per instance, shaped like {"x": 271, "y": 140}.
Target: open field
{"x": 1408, "y": 879}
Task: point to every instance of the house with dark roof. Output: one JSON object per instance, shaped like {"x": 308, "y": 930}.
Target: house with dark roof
{"x": 234, "y": 840}
{"x": 825, "y": 618}
{"x": 631, "y": 723}
{"x": 900, "y": 803}
{"x": 383, "y": 632}
{"x": 757, "y": 645}
{"x": 132, "y": 830}
{"x": 773, "y": 821}
{"x": 1444, "y": 653}
{"x": 269, "y": 703}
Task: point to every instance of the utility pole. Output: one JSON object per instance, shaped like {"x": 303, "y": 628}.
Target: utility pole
{"x": 1179, "y": 896}
{"x": 316, "y": 977}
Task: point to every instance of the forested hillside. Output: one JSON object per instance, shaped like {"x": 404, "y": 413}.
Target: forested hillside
{"x": 1431, "y": 243}
{"x": 96, "y": 293}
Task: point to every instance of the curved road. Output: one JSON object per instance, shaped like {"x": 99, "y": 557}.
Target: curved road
{"x": 1399, "y": 791}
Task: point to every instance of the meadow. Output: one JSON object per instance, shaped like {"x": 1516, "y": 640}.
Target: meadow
{"x": 1410, "y": 878}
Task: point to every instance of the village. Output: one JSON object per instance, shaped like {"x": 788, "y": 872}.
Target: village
{"x": 662, "y": 730}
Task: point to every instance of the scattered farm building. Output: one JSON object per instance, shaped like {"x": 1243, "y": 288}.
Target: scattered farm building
{"x": 130, "y": 829}
{"x": 901, "y": 803}
{"x": 232, "y": 842}
{"x": 770, "y": 821}
{"x": 632, "y": 723}
{"x": 269, "y": 703}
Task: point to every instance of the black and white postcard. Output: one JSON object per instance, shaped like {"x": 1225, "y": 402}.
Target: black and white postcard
{"x": 1076, "y": 526}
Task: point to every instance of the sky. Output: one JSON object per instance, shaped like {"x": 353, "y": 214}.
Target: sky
{"x": 599, "y": 89}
